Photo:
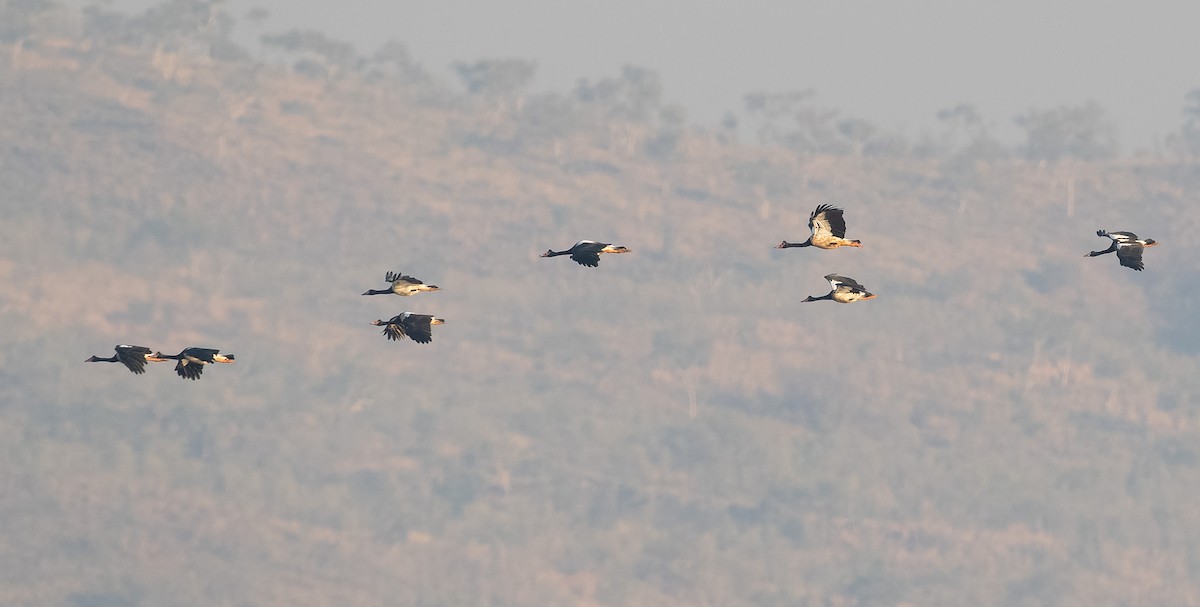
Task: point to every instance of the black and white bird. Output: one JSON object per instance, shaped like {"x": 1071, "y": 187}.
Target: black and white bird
{"x": 415, "y": 326}
{"x": 1128, "y": 247}
{"x": 828, "y": 227}
{"x": 845, "y": 290}
{"x": 587, "y": 252}
{"x": 191, "y": 361}
{"x": 403, "y": 285}
{"x": 133, "y": 357}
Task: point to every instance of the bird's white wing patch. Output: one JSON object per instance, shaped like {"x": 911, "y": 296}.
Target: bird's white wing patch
{"x": 820, "y": 226}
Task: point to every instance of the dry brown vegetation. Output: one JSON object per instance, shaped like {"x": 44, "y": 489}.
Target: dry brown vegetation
{"x": 1007, "y": 424}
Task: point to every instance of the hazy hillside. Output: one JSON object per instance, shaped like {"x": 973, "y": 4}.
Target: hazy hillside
{"x": 1007, "y": 424}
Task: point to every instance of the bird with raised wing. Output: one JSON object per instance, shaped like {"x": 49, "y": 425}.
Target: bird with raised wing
{"x": 587, "y": 252}
{"x": 407, "y": 324}
{"x": 133, "y": 357}
{"x": 190, "y": 362}
{"x": 845, "y": 290}
{"x": 828, "y": 227}
{"x": 1127, "y": 246}
{"x": 403, "y": 285}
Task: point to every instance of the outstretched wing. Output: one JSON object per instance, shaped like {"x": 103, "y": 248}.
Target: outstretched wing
{"x": 204, "y": 354}
{"x": 133, "y": 357}
{"x": 825, "y": 221}
{"x": 418, "y": 327}
{"x": 393, "y": 331}
{"x": 188, "y": 369}
{"x": 1130, "y": 255}
{"x": 588, "y": 245}
{"x": 842, "y": 281}
{"x": 590, "y": 259}
{"x": 1120, "y": 237}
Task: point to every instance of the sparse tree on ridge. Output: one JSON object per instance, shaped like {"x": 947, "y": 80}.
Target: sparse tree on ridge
{"x": 19, "y": 18}
{"x": 729, "y": 127}
{"x": 501, "y": 82}
{"x": 318, "y": 52}
{"x": 789, "y": 120}
{"x": 393, "y": 61}
{"x": 859, "y": 133}
{"x": 636, "y": 95}
{"x": 963, "y": 125}
{"x": 772, "y": 110}
{"x": 1081, "y": 132}
{"x": 496, "y": 78}
{"x": 104, "y": 27}
{"x": 672, "y": 121}
{"x": 1068, "y": 133}
{"x": 201, "y": 25}
{"x": 1187, "y": 141}
{"x": 965, "y": 143}
{"x": 633, "y": 105}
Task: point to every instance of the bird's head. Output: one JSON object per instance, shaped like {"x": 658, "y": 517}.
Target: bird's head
{"x": 438, "y": 321}
{"x": 548, "y": 253}
{"x": 93, "y": 359}
{"x": 1150, "y": 242}
{"x": 808, "y": 299}
{"x": 432, "y": 288}
{"x": 378, "y": 323}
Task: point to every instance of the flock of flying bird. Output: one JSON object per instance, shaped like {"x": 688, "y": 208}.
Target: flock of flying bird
{"x": 190, "y": 363}
{"x": 827, "y": 225}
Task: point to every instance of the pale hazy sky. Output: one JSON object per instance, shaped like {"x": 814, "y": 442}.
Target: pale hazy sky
{"x": 894, "y": 63}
